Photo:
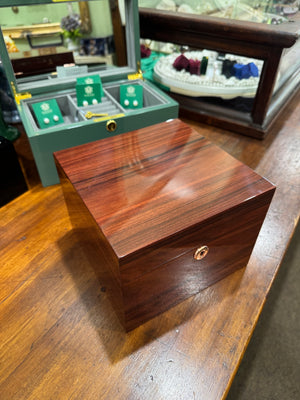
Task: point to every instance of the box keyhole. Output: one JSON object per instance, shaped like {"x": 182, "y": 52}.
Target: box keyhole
{"x": 111, "y": 125}
{"x": 201, "y": 252}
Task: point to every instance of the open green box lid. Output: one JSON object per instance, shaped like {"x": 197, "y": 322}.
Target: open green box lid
{"x": 41, "y": 84}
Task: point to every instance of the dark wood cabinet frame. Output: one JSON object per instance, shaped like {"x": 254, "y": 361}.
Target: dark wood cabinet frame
{"x": 260, "y": 41}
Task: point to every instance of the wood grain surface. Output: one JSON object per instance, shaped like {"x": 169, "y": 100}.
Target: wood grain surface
{"x": 222, "y": 29}
{"x": 59, "y": 336}
{"x": 156, "y": 195}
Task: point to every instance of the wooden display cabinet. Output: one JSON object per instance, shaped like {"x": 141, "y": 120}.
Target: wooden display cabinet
{"x": 273, "y": 44}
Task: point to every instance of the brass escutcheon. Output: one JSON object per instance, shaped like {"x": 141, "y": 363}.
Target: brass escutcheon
{"x": 111, "y": 125}
{"x": 201, "y": 252}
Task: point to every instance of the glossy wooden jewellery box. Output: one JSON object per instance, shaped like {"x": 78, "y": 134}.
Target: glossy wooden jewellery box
{"x": 80, "y": 124}
{"x": 168, "y": 213}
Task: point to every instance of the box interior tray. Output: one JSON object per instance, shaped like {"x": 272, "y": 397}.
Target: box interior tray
{"x": 109, "y": 105}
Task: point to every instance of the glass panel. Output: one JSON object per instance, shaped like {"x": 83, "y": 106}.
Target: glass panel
{"x": 217, "y": 78}
{"x": 289, "y": 65}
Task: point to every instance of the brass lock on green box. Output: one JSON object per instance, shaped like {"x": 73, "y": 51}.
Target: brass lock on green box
{"x": 111, "y": 125}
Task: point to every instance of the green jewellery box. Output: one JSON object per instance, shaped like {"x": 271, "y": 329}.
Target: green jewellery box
{"x": 53, "y": 116}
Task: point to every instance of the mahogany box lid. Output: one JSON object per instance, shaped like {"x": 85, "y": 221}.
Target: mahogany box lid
{"x": 155, "y": 183}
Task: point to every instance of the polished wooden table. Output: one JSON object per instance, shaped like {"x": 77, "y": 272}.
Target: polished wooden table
{"x": 59, "y": 336}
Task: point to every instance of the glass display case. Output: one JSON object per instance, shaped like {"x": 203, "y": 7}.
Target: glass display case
{"x": 232, "y": 63}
